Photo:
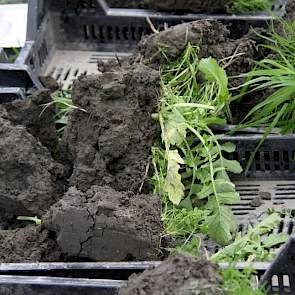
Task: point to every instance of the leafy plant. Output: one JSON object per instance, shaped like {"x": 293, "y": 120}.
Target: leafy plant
{"x": 276, "y": 75}
{"x": 256, "y": 244}
{"x": 248, "y": 6}
{"x": 190, "y": 168}
{"x": 240, "y": 282}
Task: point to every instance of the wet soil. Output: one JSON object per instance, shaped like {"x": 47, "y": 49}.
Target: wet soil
{"x": 30, "y": 180}
{"x": 178, "y": 275}
{"x": 105, "y": 225}
{"x": 37, "y": 115}
{"x": 109, "y": 142}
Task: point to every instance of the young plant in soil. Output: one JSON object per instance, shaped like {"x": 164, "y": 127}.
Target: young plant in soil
{"x": 190, "y": 169}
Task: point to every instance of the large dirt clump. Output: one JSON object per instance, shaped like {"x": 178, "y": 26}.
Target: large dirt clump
{"x": 108, "y": 141}
{"x": 178, "y": 275}
{"x": 30, "y": 180}
{"x": 105, "y": 225}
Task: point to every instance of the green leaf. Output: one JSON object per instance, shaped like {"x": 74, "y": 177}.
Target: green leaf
{"x": 175, "y": 129}
{"x": 229, "y": 198}
{"x": 275, "y": 240}
{"x": 232, "y": 166}
{"x": 173, "y": 185}
{"x": 214, "y": 73}
{"x": 228, "y": 147}
{"x": 220, "y": 225}
{"x": 206, "y": 191}
{"x": 223, "y": 186}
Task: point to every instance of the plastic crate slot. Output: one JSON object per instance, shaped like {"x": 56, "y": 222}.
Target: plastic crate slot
{"x": 117, "y": 30}
{"x": 110, "y": 32}
{"x": 93, "y": 32}
{"x": 285, "y": 184}
{"x": 126, "y": 33}
{"x": 86, "y": 32}
{"x": 67, "y": 73}
{"x": 290, "y": 227}
{"x": 76, "y": 72}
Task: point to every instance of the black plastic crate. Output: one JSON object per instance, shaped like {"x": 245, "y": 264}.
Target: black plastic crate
{"x": 66, "y": 38}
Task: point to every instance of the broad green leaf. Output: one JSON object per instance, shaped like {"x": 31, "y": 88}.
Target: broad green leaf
{"x": 173, "y": 185}
{"x": 175, "y": 128}
{"x": 232, "y": 166}
{"x": 220, "y": 225}
{"x": 228, "y": 198}
{"x": 206, "y": 191}
{"x": 268, "y": 223}
{"x": 214, "y": 73}
{"x": 228, "y": 147}
{"x": 223, "y": 186}
{"x": 275, "y": 240}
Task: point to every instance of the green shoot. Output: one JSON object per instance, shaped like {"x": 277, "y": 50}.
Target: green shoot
{"x": 35, "y": 219}
{"x": 250, "y": 6}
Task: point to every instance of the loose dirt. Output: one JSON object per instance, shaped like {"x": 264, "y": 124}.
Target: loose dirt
{"x": 179, "y": 275}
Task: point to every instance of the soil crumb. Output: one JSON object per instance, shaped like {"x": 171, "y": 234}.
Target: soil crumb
{"x": 178, "y": 275}
{"x": 109, "y": 142}
{"x": 30, "y": 180}
{"x": 190, "y": 5}
{"x": 38, "y": 119}
{"x": 27, "y": 244}
{"x": 105, "y": 225}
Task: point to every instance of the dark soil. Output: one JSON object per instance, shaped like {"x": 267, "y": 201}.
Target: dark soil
{"x": 190, "y": 5}
{"x": 30, "y": 180}
{"x": 179, "y": 275}
{"x": 109, "y": 143}
{"x": 35, "y": 116}
{"x": 105, "y": 225}
{"x": 27, "y": 244}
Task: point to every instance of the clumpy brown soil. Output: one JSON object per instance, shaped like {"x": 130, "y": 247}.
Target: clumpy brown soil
{"x": 110, "y": 141}
{"x": 30, "y": 180}
{"x": 190, "y": 5}
{"x": 27, "y": 244}
{"x": 178, "y": 275}
{"x": 105, "y": 225}
{"x": 35, "y": 116}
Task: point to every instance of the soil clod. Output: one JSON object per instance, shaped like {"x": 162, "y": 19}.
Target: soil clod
{"x": 105, "y": 225}
{"x": 178, "y": 275}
